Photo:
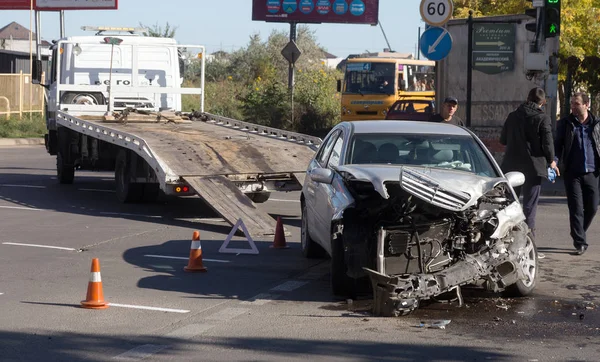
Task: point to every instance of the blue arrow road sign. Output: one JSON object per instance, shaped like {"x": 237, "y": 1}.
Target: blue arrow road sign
{"x": 436, "y": 43}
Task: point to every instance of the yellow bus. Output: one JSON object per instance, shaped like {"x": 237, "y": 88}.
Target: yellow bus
{"x": 373, "y": 83}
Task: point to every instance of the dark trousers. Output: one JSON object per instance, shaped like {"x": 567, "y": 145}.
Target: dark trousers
{"x": 582, "y": 198}
{"x": 531, "y": 190}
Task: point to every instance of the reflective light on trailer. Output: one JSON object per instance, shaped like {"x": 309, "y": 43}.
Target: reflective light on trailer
{"x": 179, "y": 189}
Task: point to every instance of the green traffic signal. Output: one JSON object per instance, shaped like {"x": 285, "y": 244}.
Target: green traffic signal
{"x": 552, "y": 18}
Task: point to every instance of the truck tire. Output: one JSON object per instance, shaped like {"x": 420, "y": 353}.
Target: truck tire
{"x": 65, "y": 167}
{"x": 65, "y": 172}
{"x": 83, "y": 98}
{"x": 259, "y": 197}
{"x": 126, "y": 190}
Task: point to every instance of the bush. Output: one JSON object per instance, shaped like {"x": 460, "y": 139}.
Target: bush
{"x": 31, "y": 125}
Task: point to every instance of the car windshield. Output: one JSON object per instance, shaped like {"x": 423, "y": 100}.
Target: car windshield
{"x": 461, "y": 153}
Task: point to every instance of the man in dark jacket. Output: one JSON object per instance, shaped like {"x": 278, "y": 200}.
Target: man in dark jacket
{"x": 446, "y": 114}
{"x": 527, "y": 135}
{"x": 577, "y": 147}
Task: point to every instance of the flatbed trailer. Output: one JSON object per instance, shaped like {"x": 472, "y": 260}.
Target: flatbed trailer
{"x": 225, "y": 162}
{"x": 114, "y": 103}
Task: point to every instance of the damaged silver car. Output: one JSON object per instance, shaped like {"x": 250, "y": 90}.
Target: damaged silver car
{"x": 419, "y": 209}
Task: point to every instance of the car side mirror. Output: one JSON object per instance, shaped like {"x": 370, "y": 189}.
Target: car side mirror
{"x": 339, "y": 85}
{"x": 515, "y": 178}
{"x": 321, "y": 175}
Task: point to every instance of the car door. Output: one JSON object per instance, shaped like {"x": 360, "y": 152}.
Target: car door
{"x": 312, "y": 189}
{"x": 325, "y": 193}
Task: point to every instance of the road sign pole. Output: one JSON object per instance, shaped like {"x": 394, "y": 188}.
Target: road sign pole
{"x": 469, "y": 66}
{"x": 291, "y": 72}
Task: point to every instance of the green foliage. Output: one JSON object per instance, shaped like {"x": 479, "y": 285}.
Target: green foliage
{"x": 158, "y": 31}
{"x": 318, "y": 109}
{"x": 32, "y": 125}
{"x": 252, "y": 84}
{"x": 267, "y": 103}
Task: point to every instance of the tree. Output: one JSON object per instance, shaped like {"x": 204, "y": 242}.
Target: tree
{"x": 157, "y": 31}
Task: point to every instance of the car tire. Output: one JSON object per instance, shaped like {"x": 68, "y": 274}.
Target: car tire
{"x": 310, "y": 249}
{"x": 529, "y": 264}
{"x": 341, "y": 284}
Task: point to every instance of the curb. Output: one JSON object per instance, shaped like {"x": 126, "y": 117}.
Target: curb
{"x": 21, "y": 141}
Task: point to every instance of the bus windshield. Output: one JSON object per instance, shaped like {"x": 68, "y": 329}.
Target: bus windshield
{"x": 370, "y": 78}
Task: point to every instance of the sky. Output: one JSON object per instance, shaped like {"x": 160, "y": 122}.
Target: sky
{"x": 227, "y": 24}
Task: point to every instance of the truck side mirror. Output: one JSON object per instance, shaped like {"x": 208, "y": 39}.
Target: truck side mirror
{"x": 36, "y": 72}
{"x": 181, "y": 67}
{"x": 339, "y": 85}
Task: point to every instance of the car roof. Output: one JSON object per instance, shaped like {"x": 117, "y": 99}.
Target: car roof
{"x": 408, "y": 127}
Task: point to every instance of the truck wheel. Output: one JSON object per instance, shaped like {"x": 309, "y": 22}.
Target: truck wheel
{"x": 259, "y": 197}
{"x": 310, "y": 249}
{"x": 126, "y": 190}
{"x": 65, "y": 172}
{"x": 341, "y": 284}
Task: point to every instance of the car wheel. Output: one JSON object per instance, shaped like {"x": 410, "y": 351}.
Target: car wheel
{"x": 341, "y": 284}
{"x": 310, "y": 249}
{"x": 528, "y": 263}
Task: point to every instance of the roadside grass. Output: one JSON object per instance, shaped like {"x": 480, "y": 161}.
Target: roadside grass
{"x": 30, "y": 126}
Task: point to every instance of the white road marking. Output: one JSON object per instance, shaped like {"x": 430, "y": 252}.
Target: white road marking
{"x": 282, "y": 200}
{"x": 126, "y": 214}
{"x": 189, "y": 331}
{"x": 260, "y": 299}
{"x": 210, "y": 219}
{"x": 41, "y": 246}
{"x": 227, "y": 314}
{"x": 289, "y": 286}
{"x": 140, "y": 352}
{"x": 182, "y": 258}
{"x": 97, "y": 190}
{"x": 20, "y": 208}
{"x": 148, "y": 308}
{"x": 24, "y": 186}
{"x": 1, "y": 293}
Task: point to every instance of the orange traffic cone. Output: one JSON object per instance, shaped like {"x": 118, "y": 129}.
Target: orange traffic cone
{"x": 95, "y": 297}
{"x": 195, "y": 262}
{"x": 279, "y": 241}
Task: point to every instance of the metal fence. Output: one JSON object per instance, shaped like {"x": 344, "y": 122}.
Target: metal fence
{"x": 18, "y": 95}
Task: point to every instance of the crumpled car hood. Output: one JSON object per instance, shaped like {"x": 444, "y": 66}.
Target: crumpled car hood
{"x": 456, "y": 182}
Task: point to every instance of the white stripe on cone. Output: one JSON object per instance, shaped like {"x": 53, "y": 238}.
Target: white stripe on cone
{"x": 95, "y": 277}
{"x": 196, "y": 244}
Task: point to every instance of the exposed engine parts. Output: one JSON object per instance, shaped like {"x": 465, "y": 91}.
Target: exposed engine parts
{"x": 428, "y": 239}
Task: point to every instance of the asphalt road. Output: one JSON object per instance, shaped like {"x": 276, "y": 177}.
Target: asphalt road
{"x": 268, "y": 307}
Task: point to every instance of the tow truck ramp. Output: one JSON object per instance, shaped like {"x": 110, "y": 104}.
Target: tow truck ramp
{"x": 226, "y": 199}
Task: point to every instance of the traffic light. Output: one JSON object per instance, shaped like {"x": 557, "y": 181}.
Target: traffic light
{"x": 532, "y": 27}
{"x": 552, "y": 18}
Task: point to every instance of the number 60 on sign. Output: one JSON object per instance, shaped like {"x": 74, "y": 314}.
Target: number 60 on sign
{"x": 436, "y": 12}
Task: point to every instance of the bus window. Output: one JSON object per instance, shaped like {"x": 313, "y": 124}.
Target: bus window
{"x": 421, "y": 78}
{"x": 370, "y": 78}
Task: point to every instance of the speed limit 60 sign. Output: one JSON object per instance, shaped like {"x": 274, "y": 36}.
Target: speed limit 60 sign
{"x": 436, "y": 12}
